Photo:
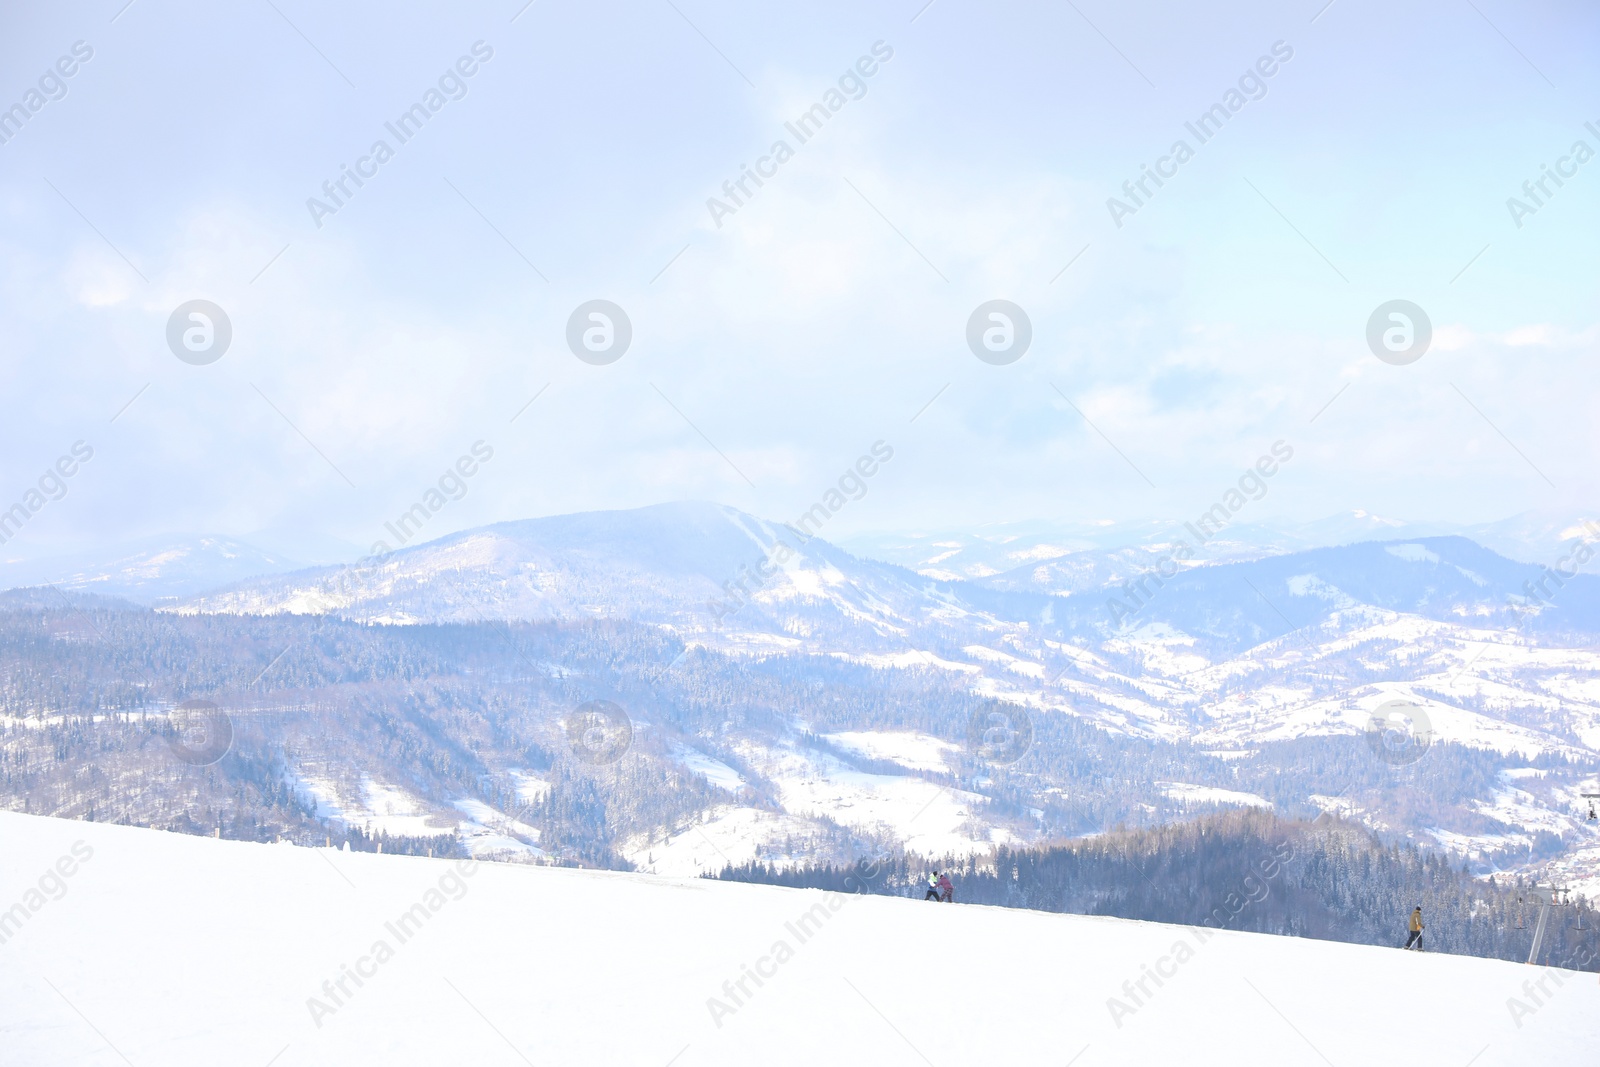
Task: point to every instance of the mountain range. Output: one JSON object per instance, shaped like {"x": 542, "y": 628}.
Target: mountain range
{"x": 727, "y": 579}
{"x": 1254, "y": 680}
{"x": 993, "y": 549}
{"x": 1075, "y": 556}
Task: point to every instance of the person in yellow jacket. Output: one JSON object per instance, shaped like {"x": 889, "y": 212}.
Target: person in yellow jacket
{"x": 1416, "y": 929}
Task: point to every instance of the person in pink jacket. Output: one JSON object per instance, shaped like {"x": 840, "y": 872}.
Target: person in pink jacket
{"x": 946, "y": 889}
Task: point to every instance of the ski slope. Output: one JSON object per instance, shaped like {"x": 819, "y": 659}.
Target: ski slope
{"x": 136, "y": 947}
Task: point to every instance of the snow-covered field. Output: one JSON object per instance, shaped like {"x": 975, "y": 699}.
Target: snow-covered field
{"x": 815, "y": 790}
{"x": 1201, "y": 795}
{"x": 163, "y": 949}
{"x": 921, "y": 752}
{"x": 729, "y": 835}
{"x": 931, "y": 819}
{"x": 485, "y": 832}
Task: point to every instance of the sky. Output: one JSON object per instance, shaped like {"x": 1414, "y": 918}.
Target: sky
{"x": 780, "y": 332}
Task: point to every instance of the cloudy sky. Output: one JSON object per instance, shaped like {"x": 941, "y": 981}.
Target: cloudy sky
{"x": 376, "y": 337}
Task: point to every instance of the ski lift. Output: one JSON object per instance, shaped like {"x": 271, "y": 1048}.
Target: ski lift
{"x": 1547, "y": 898}
{"x": 1591, "y": 798}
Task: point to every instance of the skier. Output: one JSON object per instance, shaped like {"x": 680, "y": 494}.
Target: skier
{"x": 933, "y": 887}
{"x": 947, "y": 889}
{"x": 1416, "y": 929}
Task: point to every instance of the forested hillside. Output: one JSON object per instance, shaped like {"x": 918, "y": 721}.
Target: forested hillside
{"x": 467, "y": 738}
{"x": 1327, "y": 879}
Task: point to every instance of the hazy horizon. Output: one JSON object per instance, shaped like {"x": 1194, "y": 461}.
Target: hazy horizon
{"x": 1526, "y": 537}
{"x": 1181, "y": 327}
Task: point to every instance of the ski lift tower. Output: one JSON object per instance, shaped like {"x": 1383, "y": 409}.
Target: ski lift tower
{"x": 1591, "y": 798}
{"x": 1549, "y": 897}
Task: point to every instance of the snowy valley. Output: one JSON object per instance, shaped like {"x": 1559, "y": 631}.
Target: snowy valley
{"x": 787, "y": 702}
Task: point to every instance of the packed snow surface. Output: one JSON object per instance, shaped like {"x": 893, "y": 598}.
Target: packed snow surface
{"x": 189, "y": 952}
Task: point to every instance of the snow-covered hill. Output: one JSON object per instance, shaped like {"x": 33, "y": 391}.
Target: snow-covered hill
{"x": 727, "y": 578}
{"x": 1228, "y": 657}
{"x": 152, "y": 570}
{"x": 128, "y": 946}
{"x": 992, "y": 548}
{"x": 721, "y": 575}
{"x": 1442, "y": 578}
